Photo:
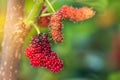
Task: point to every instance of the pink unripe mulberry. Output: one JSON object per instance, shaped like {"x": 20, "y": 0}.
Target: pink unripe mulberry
{"x": 56, "y": 27}
{"x": 77, "y": 14}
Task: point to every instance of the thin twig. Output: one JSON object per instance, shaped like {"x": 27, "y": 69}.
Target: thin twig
{"x": 47, "y": 7}
{"x": 50, "y": 5}
{"x": 46, "y": 14}
{"x": 36, "y": 28}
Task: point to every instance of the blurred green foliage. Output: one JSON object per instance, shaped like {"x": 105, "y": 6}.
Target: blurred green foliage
{"x": 81, "y": 41}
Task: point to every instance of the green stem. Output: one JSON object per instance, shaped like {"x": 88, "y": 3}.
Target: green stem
{"x": 50, "y": 5}
{"x": 36, "y": 28}
{"x": 47, "y": 7}
{"x": 46, "y": 14}
{"x": 35, "y": 11}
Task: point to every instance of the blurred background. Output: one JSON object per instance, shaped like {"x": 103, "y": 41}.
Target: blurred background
{"x": 91, "y": 49}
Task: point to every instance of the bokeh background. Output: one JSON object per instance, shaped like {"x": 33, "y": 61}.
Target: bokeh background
{"x": 91, "y": 49}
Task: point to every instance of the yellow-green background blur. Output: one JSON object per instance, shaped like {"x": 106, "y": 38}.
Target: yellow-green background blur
{"x": 87, "y": 45}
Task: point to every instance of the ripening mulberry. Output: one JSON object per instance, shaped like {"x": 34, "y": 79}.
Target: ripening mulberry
{"x": 41, "y": 42}
{"x": 40, "y": 54}
{"x": 44, "y": 21}
{"x": 77, "y": 14}
{"x": 56, "y": 27}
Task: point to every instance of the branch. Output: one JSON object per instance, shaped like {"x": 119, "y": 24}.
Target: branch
{"x": 34, "y": 13}
{"x": 15, "y": 32}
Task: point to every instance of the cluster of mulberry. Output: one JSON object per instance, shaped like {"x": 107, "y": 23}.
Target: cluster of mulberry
{"x": 40, "y": 54}
{"x": 39, "y": 51}
{"x": 66, "y": 12}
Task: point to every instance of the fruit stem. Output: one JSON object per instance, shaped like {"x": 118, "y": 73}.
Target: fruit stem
{"x": 50, "y": 5}
{"x": 34, "y": 13}
{"x": 36, "y": 28}
{"x": 47, "y": 7}
{"x": 46, "y": 14}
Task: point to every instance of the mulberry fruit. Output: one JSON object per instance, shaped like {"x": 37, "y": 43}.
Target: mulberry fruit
{"x": 56, "y": 27}
{"x": 44, "y": 21}
{"x": 40, "y": 54}
{"x": 77, "y": 14}
{"x": 54, "y": 63}
{"x": 41, "y": 42}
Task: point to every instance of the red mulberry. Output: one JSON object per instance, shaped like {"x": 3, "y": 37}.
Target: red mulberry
{"x": 44, "y": 21}
{"x": 41, "y": 41}
{"x": 31, "y": 50}
{"x": 53, "y": 63}
{"x": 40, "y": 54}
